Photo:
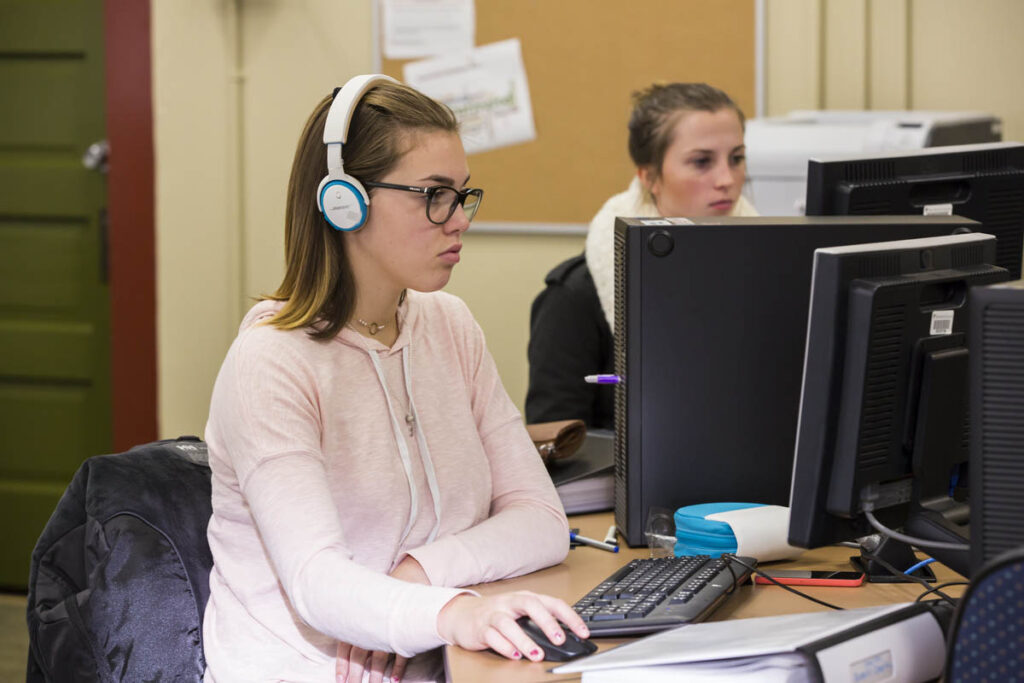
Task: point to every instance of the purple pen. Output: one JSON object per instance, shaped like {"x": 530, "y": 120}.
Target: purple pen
{"x": 602, "y": 379}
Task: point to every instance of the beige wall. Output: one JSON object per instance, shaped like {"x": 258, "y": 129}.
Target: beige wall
{"x": 498, "y": 279}
{"x": 896, "y": 54}
{"x": 233, "y": 82}
{"x": 197, "y": 227}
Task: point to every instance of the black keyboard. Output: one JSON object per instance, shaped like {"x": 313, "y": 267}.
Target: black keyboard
{"x": 658, "y": 593}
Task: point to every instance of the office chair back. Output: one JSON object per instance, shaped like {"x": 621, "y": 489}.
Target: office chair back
{"x": 986, "y": 638}
{"x": 119, "y": 578}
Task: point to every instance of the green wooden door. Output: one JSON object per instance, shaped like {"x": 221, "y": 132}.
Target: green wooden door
{"x": 54, "y": 307}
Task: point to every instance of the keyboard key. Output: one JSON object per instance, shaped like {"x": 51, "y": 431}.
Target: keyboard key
{"x": 608, "y": 616}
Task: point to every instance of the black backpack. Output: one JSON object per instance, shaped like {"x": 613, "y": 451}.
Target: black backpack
{"x": 120, "y": 575}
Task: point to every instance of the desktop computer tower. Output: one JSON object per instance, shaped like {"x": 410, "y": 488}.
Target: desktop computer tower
{"x": 710, "y": 329}
{"x": 996, "y": 442}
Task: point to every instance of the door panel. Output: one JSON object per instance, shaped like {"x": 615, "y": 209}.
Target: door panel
{"x": 42, "y": 187}
{"x": 32, "y": 350}
{"x": 44, "y": 261}
{"x": 34, "y": 26}
{"x": 27, "y": 414}
{"x": 54, "y": 299}
{"x": 43, "y": 112}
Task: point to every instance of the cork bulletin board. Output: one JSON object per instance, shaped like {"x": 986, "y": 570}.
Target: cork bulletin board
{"x": 583, "y": 60}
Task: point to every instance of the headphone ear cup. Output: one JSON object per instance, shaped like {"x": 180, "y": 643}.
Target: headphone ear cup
{"x": 343, "y": 202}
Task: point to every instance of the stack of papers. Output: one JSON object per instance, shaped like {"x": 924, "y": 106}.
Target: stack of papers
{"x": 784, "y": 668}
{"x": 901, "y": 642}
{"x": 589, "y": 494}
{"x": 585, "y": 481}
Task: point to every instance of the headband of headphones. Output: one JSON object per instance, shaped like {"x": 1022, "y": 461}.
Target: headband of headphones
{"x": 341, "y": 198}
{"x": 340, "y": 115}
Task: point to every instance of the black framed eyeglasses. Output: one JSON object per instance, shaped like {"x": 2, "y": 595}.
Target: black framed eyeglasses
{"x": 442, "y": 199}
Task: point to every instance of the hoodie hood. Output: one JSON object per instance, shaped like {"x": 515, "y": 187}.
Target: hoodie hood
{"x": 600, "y": 248}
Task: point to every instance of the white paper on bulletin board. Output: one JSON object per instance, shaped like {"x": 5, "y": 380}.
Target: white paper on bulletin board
{"x": 486, "y": 87}
{"x": 425, "y": 28}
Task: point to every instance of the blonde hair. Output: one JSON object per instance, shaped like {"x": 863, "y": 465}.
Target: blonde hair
{"x": 318, "y": 289}
{"x": 657, "y": 109}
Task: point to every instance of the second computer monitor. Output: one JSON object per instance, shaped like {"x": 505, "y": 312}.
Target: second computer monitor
{"x": 883, "y": 424}
{"x": 983, "y": 182}
{"x": 710, "y": 325}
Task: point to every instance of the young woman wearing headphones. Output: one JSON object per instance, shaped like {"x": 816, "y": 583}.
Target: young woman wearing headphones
{"x": 366, "y": 459}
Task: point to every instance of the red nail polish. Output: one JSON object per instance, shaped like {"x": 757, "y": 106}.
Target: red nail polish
{"x": 534, "y": 653}
{"x": 516, "y": 654}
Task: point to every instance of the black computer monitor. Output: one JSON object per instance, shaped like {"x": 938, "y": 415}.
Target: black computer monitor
{"x": 711, "y": 321}
{"x": 883, "y": 421}
{"x": 984, "y": 182}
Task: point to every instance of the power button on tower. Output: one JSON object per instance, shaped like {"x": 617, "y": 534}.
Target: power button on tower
{"x": 660, "y": 243}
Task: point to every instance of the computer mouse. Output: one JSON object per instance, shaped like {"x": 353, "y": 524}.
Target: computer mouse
{"x": 573, "y": 647}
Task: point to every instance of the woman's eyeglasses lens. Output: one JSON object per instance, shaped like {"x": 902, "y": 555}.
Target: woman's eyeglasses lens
{"x": 443, "y": 201}
{"x": 471, "y": 203}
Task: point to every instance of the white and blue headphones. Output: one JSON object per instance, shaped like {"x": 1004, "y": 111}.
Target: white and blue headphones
{"x": 341, "y": 198}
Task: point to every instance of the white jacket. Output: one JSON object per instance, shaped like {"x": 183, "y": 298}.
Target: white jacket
{"x": 600, "y": 249}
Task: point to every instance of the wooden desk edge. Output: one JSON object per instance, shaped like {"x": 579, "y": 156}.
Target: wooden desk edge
{"x": 585, "y": 567}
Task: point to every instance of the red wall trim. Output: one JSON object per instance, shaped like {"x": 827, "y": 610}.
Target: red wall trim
{"x": 131, "y": 214}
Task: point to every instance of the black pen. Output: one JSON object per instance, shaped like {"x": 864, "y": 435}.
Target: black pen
{"x": 593, "y": 543}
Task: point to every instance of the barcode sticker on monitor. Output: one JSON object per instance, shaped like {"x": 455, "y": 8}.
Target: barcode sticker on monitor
{"x": 654, "y": 221}
{"x": 938, "y": 209}
{"x": 942, "y": 322}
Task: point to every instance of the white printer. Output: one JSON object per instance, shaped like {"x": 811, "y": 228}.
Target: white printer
{"x": 778, "y": 147}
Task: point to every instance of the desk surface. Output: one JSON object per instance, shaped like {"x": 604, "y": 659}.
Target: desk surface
{"x": 585, "y": 567}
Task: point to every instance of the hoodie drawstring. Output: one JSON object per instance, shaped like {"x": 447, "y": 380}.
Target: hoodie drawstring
{"x": 403, "y": 449}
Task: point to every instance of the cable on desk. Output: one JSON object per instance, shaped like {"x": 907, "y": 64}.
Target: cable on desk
{"x": 896, "y": 572}
{"x": 919, "y": 565}
{"x": 735, "y": 581}
{"x": 732, "y": 558}
{"x": 935, "y": 589}
{"x": 903, "y": 538}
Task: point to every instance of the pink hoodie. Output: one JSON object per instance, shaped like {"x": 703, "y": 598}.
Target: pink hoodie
{"x": 312, "y": 494}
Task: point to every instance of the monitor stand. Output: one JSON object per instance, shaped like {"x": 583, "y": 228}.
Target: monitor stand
{"x": 934, "y": 524}
{"x": 898, "y": 554}
{"x": 926, "y": 523}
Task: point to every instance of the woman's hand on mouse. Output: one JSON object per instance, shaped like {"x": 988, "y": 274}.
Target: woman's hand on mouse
{"x": 476, "y": 623}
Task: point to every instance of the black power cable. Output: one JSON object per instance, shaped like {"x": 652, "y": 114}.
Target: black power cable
{"x": 732, "y": 558}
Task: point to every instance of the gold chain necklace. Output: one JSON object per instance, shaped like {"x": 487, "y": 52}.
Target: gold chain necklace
{"x": 374, "y": 328}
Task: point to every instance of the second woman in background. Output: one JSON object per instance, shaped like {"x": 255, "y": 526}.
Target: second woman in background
{"x": 686, "y": 140}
